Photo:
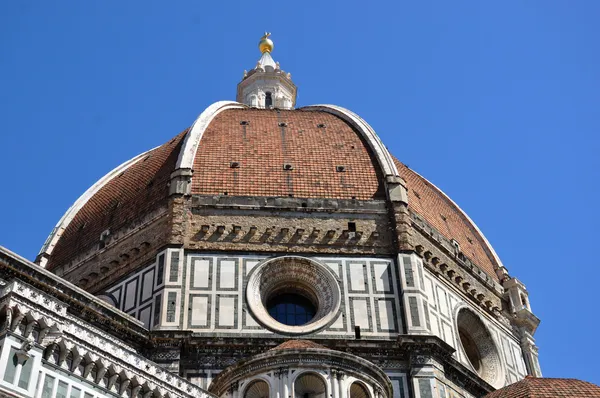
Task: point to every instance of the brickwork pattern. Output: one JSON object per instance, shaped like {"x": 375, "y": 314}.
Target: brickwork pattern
{"x": 139, "y": 190}
{"x": 281, "y": 232}
{"x": 313, "y": 143}
{"x": 297, "y": 345}
{"x": 273, "y": 138}
{"x": 534, "y": 387}
{"x": 427, "y": 201}
{"x": 116, "y": 262}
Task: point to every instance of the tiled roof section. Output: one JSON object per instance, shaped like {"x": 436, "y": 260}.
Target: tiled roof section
{"x": 534, "y": 387}
{"x": 431, "y": 204}
{"x": 140, "y": 189}
{"x": 313, "y": 143}
{"x": 298, "y": 344}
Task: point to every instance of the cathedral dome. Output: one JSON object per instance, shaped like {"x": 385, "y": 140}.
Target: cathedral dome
{"x": 537, "y": 387}
{"x": 264, "y": 223}
{"x": 232, "y": 150}
{"x": 261, "y": 153}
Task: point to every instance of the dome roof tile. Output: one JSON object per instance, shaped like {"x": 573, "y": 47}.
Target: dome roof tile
{"x": 540, "y": 387}
{"x": 298, "y": 345}
{"x": 439, "y": 211}
{"x": 139, "y": 189}
{"x": 271, "y": 139}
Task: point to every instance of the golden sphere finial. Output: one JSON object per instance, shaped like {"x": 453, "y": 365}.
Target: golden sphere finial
{"x": 265, "y": 44}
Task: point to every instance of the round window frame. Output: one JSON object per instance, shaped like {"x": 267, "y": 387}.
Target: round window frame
{"x": 322, "y": 286}
{"x": 492, "y": 366}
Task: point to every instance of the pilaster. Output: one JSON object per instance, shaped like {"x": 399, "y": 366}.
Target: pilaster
{"x": 423, "y": 370}
{"x": 414, "y": 297}
{"x": 530, "y": 355}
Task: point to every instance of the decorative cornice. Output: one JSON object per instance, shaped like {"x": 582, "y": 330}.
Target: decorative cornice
{"x": 26, "y": 303}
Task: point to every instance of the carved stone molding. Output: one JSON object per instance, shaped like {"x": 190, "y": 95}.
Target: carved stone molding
{"x": 301, "y": 275}
{"x": 335, "y": 364}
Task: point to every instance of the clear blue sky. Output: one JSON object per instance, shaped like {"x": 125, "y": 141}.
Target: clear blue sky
{"x": 495, "y": 102}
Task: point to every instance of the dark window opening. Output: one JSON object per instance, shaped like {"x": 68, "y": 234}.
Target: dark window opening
{"x": 470, "y": 349}
{"x": 268, "y": 100}
{"x": 351, "y": 227}
{"x": 523, "y": 301}
{"x": 291, "y": 309}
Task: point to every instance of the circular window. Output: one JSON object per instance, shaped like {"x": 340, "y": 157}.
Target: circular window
{"x": 478, "y": 346}
{"x": 291, "y": 309}
{"x": 293, "y": 295}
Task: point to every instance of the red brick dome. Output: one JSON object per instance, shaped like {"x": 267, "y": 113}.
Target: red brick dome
{"x": 298, "y": 345}
{"x": 315, "y": 152}
{"x": 542, "y": 387}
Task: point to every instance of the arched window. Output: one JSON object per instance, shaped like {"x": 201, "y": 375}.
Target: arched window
{"x": 268, "y": 100}
{"x": 21, "y": 328}
{"x": 478, "y": 346}
{"x": 310, "y": 385}
{"x": 257, "y": 389}
{"x": 81, "y": 368}
{"x": 35, "y": 332}
{"x": 55, "y": 357}
{"x": 69, "y": 361}
{"x": 524, "y": 301}
{"x": 116, "y": 387}
{"x": 93, "y": 373}
{"x": 357, "y": 390}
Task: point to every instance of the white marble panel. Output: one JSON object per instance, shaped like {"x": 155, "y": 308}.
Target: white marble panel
{"x": 386, "y": 314}
{"x": 144, "y": 316}
{"x": 199, "y": 311}
{"x": 250, "y": 322}
{"x": 429, "y": 291}
{"x": 227, "y": 274}
{"x": 147, "y": 285}
{"x": 227, "y": 311}
{"x": 382, "y": 276}
{"x": 339, "y": 322}
{"x": 357, "y": 276}
{"x": 250, "y": 264}
{"x": 361, "y": 313}
{"x": 507, "y": 352}
{"x": 443, "y": 301}
{"x": 448, "y": 335}
{"x": 335, "y": 267}
{"x": 201, "y": 273}
{"x": 130, "y": 294}
{"x": 435, "y": 327}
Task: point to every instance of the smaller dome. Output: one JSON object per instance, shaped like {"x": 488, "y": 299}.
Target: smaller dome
{"x": 542, "y": 387}
{"x": 298, "y": 345}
